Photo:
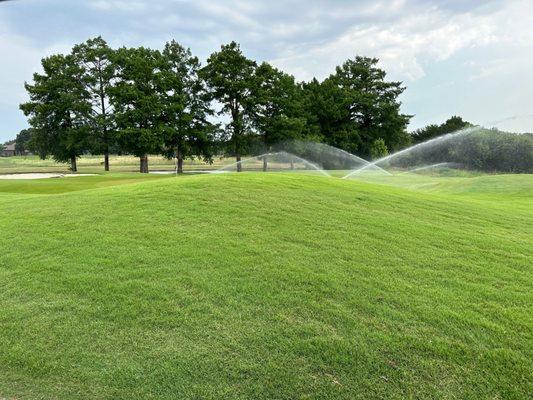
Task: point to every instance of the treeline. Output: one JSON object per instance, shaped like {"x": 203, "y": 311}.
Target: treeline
{"x": 492, "y": 150}
{"x": 141, "y": 101}
{"x": 474, "y": 148}
{"x": 452, "y": 124}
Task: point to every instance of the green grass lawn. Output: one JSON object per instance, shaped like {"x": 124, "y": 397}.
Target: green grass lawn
{"x": 62, "y": 185}
{"x": 266, "y": 286}
{"x": 95, "y": 164}
{"x": 504, "y": 191}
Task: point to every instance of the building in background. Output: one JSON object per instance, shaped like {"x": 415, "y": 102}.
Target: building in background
{"x": 7, "y": 150}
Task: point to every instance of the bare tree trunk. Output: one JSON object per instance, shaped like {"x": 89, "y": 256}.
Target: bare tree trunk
{"x": 265, "y": 163}
{"x": 73, "y": 165}
{"x": 236, "y": 133}
{"x": 144, "y": 163}
{"x": 179, "y": 157}
{"x": 104, "y": 115}
{"x": 292, "y": 163}
{"x": 239, "y": 166}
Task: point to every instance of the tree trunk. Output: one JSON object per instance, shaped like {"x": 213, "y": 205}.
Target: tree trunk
{"x": 292, "y": 163}
{"x": 73, "y": 165}
{"x": 144, "y": 163}
{"x": 239, "y": 166}
{"x": 236, "y": 133}
{"x": 179, "y": 157}
{"x": 265, "y": 163}
{"x": 104, "y": 116}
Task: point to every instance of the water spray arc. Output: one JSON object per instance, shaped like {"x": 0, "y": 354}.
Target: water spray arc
{"x": 326, "y": 156}
{"x": 416, "y": 147}
{"x": 433, "y": 166}
{"x": 282, "y": 157}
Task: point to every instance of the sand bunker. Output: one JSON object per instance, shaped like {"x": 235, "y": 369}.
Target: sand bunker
{"x": 41, "y": 175}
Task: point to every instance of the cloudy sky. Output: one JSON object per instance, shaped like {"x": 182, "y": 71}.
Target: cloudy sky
{"x": 473, "y": 58}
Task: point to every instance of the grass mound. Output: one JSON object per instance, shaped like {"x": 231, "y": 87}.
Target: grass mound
{"x": 262, "y": 286}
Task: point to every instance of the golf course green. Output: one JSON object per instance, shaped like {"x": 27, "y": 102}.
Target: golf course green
{"x": 266, "y": 286}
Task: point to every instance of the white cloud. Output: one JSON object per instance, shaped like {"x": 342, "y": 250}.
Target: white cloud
{"x": 20, "y": 59}
{"x": 236, "y": 13}
{"x": 403, "y": 44}
{"x": 119, "y": 5}
{"x": 18, "y": 65}
{"x": 437, "y": 47}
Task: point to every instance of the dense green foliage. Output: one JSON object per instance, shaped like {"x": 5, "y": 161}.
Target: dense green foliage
{"x": 137, "y": 100}
{"x": 23, "y": 141}
{"x": 278, "y": 115}
{"x": 356, "y": 106}
{"x": 58, "y": 109}
{"x": 378, "y": 149}
{"x": 186, "y": 107}
{"x": 476, "y": 148}
{"x": 494, "y": 150}
{"x": 141, "y": 101}
{"x": 96, "y": 59}
{"x": 230, "y": 77}
{"x": 307, "y": 287}
{"x": 453, "y": 124}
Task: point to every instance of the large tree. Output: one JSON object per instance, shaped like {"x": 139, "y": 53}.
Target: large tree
{"x": 230, "y": 78}
{"x": 58, "y": 110}
{"x": 96, "y": 58}
{"x": 328, "y": 118}
{"x": 277, "y": 112}
{"x": 137, "y": 103}
{"x": 356, "y": 106}
{"x": 186, "y": 106}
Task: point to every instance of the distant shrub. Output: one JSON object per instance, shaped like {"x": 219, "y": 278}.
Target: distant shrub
{"x": 488, "y": 150}
{"x": 378, "y": 149}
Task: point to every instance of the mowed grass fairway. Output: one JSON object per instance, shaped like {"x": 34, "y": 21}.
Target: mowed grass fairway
{"x": 265, "y": 286}
{"x": 95, "y": 164}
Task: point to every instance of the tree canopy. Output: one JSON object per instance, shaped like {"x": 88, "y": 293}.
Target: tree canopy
{"x": 186, "y": 106}
{"x": 96, "y": 59}
{"x": 229, "y": 75}
{"x": 355, "y": 106}
{"x": 277, "y": 113}
{"x": 59, "y": 110}
{"x": 137, "y": 98}
{"x": 452, "y": 124}
{"x": 143, "y": 101}
{"x": 23, "y": 141}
